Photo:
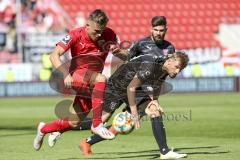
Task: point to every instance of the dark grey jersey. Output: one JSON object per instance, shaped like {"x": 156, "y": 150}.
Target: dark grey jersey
{"x": 147, "y": 68}
{"x": 146, "y": 60}
{"x": 148, "y": 46}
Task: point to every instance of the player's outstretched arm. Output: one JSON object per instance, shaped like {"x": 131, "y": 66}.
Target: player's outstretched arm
{"x": 131, "y": 93}
{"x": 120, "y": 53}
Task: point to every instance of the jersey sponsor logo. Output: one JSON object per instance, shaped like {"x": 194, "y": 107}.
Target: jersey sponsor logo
{"x": 66, "y": 39}
{"x": 149, "y": 88}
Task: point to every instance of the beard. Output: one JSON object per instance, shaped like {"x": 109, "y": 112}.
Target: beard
{"x": 158, "y": 40}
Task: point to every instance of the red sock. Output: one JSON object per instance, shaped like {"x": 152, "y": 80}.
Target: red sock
{"x": 58, "y": 125}
{"x": 97, "y": 102}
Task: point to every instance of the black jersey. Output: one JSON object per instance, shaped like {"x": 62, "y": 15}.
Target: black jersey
{"x": 146, "y": 60}
{"x": 148, "y": 69}
{"x": 148, "y": 46}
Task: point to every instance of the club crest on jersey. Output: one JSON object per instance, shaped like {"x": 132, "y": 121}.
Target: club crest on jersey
{"x": 165, "y": 52}
{"x": 66, "y": 39}
{"x": 147, "y": 73}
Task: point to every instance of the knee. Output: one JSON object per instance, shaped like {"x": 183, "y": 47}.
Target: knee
{"x": 152, "y": 111}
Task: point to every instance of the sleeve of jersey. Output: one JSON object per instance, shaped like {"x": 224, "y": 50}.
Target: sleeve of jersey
{"x": 171, "y": 49}
{"x": 134, "y": 50}
{"x": 112, "y": 36}
{"x": 157, "y": 90}
{"x": 145, "y": 72}
{"x": 152, "y": 90}
{"x": 67, "y": 41}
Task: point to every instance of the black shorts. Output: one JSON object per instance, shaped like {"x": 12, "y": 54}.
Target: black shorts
{"x": 141, "y": 106}
{"x": 114, "y": 99}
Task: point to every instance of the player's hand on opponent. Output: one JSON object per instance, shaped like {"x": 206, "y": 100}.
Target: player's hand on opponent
{"x": 156, "y": 103}
{"x": 114, "y": 49}
{"x": 152, "y": 107}
{"x": 118, "y": 52}
{"x": 68, "y": 81}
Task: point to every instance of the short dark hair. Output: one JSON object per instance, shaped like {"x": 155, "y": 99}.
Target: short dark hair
{"x": 98, "y": 16}
{"x": 159, "y": 21}
{"x": 183, "y": 58}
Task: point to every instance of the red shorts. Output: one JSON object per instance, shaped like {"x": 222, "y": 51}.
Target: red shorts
{"x": 85, "y": 104}
{"x": 81, "y": 84}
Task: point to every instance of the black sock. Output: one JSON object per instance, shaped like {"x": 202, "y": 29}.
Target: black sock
{"x": 95, "y": 138}
{"x": 160, "y": 134}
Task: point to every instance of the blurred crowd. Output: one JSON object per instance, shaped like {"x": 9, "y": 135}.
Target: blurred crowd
{"x": 7, "y": 14}
{"x": 36, "y": 16}
{"x": 41, "y": 16}
{"x": 8, "y": 25}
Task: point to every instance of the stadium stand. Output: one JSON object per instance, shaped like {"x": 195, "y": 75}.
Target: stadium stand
{"x": 207, "y": 30}
{"x": 192, "y": 24}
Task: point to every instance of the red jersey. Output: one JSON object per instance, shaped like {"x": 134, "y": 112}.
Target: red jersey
{"x": 86, "y": 53}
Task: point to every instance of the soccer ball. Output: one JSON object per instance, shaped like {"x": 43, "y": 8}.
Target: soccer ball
{"x": 123, "y": 123}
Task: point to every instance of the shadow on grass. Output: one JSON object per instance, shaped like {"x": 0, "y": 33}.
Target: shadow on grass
{"x": 146, "y": 156}
{"x": 14, "y": 131}
{"x": 149, "y": 154}
{"x": 16, "y": 134}
{"x": 217, "y": 152}
{"x": 156, "y": 150}
{"x": 17, "y": 128}
{"x": 204, "y": 147}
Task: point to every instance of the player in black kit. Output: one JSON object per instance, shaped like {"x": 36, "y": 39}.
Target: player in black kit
{"x": 152, "y": 59}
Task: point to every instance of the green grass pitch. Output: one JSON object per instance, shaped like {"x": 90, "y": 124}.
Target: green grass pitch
{"x": 206, "y": 126}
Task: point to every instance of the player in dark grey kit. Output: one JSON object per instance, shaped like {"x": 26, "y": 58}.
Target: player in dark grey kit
{"x": 151, "y": 60}
{"x": 125, "y": 85}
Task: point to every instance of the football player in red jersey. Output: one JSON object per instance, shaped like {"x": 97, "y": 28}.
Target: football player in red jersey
{"x": 89, "y": 51}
